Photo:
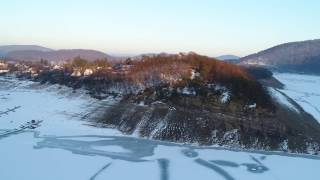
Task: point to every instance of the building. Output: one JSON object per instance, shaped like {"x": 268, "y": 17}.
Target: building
{"x": 76, "y": 73}
{"x": 88, "y": 72}
{"x": 3, "y": 67}
{"x": 3, "y": 64}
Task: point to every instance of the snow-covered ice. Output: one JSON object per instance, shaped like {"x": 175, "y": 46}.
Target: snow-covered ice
{"x": 304, "y": 89}
{"x": 65, "y": 148}
{"x": 282, "y": 99}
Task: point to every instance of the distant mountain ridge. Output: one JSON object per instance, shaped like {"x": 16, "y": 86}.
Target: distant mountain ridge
{"x": 228, "y": 57}
{"x": 36, "y": 53}
{"x": 302, "y": 57}
{"x": 59, "y": 55}
{"x": 4, "y": 50}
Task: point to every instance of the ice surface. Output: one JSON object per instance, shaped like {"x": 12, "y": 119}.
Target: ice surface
{"x": 304, "y": 89}
{"x": 111, "y": 148}
{"x": 282, "y": 99}
{"x": 65, "y": 148}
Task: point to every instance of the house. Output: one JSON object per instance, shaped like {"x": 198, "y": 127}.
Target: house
{"x": 121, "y": 68}
{"x": 3, "y": 67}
{"x": 57, "y": 67}
{"x": 88, "y": 72}
{"x": 33, "y": 71}
{"x": 76, "y": 73}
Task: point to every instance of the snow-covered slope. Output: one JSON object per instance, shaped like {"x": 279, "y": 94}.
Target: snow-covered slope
{"x": 304, "y": 89}
{"x": 65, "y": 148}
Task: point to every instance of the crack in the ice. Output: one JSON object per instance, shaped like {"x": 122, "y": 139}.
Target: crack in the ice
{"x": 164, "y": 169}
{"x": 215, "y": 168}
{"x": 6, "y": 112}
{"x": 99, "y": 171}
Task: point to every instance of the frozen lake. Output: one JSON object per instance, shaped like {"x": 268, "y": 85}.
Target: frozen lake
{"x": 304, "y": 89}
{"x": 66, "y": 148}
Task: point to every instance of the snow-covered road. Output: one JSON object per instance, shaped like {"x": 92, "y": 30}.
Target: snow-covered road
{"x": 65, "y": 148}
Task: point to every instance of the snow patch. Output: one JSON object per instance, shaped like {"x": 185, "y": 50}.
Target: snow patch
{"x": 252, "y": 106}
{"x": 225, "y": 97}
{"x": 284, "y": 145}
{"x": 188, "y": 91}
{"x": 194, "y": 74}
{"x": 3, "y": 71}
{"x": 141, "y": 103}
{"x": 231, "y": 137}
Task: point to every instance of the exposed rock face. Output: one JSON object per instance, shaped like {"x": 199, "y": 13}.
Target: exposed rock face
{"x": 303, "y": 57}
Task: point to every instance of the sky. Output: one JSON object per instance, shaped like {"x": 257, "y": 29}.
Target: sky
{"x": 129, "y": 27}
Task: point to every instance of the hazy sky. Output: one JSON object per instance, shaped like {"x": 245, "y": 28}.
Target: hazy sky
{"x": 210, "y": 27}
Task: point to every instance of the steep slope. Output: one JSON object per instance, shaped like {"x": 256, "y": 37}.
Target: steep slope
{"x": 197, "y": 99}
{"x": 222, "y": 104}
{"x": 301, "y": 57}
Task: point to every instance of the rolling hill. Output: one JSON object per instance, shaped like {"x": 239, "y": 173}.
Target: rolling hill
{"x": 4, "y": 50}
{"x": 301, "y": 57}
{"x": 59, "y": 55}
{"x": 228, "y": 57}
{"x": 36, "y": 53}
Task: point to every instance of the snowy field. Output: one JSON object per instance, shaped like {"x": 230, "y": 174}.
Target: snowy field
{"x": 64, "y": 147}
{"x": 304, "y": 89}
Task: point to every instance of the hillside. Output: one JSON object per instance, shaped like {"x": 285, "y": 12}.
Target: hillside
{"x": 58, "y": 55}
{"x": 36, "y": 53}
{"x": 302, "y": 57}
{"x": 65, "y": 135}
{"x": 196, "y": 99}
{"x": 222, "y": 105}
{"x": 4, "y": 50}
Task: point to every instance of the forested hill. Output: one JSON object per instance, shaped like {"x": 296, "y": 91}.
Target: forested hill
{"x": 186, "y": 98}
{"x": 301, "y": 57}
{"x": 36, "y": 53}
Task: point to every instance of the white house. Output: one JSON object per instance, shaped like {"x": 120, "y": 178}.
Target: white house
{"x": 32, "y": 71}
{"x": 76, "y": 73}
{"x": 3, "y": 67}
{"x": 88, "y": 72}
{"x": 57, "y": 67}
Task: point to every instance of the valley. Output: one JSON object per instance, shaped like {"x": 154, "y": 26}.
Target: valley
{"x": 159, "y": 90}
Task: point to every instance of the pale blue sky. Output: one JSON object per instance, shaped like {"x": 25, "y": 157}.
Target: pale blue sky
{"x": 209, "y": 27}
